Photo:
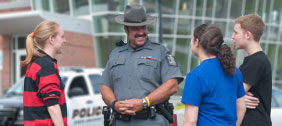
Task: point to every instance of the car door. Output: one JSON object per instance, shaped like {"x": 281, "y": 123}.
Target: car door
{"x": 82, "y": 111}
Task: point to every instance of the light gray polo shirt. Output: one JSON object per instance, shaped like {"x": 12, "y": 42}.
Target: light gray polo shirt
{"x": 135, "y": 73}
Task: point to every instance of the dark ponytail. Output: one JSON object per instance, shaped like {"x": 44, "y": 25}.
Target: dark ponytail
{"x": 211, "y": 39}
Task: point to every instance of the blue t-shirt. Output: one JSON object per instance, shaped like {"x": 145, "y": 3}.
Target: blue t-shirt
{"x": 214, "y": 92}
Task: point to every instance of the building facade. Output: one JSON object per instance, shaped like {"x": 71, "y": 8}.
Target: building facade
{"x": 18, "y": 19}
{"x": 179, "y": 18}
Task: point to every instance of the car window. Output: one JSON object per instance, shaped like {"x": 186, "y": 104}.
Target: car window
{"x": 95, "y": 81}
{"x": 277, "y": 95}
{"x": 17, "y": 88}
{"x": 64, "y": 80}
{"x": 79, "y": 83}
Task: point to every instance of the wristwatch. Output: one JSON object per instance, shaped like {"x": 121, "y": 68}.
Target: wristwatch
{"x": 145, "y": 104}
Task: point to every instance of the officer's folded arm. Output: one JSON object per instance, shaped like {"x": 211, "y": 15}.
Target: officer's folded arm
{"x": 109, "y": 97}
{"x": 131, "y": 106}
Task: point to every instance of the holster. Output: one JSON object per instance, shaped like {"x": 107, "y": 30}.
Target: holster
{"x": 107, "y": 115}
{"x": 166, "y": 109}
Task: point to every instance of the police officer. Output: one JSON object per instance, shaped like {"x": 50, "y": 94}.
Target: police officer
{"x": 139, "y": 74}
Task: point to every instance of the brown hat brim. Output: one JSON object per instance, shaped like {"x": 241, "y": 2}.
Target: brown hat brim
{"x": 120, "y": 19}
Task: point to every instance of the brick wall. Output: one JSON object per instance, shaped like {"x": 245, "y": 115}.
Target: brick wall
{"x": 79, "y": 51}
{"x": 15, "y": 10}
{"x": 5, "y": 46}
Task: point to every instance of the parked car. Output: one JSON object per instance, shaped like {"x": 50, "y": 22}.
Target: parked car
{"x": 276, "y": 107}
{"x": 83, "y": 97}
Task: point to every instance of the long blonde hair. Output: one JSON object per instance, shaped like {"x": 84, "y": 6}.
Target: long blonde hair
{"x": 36, "y": 40}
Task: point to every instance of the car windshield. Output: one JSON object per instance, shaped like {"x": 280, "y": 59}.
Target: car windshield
{"x": 278, "y": 97}
{"x": 17, "y": 88}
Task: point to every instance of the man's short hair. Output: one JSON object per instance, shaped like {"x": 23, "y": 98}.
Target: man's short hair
{"x": 252, "y": 23}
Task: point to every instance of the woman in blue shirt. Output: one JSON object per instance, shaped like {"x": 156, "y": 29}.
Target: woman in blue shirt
{"x": 213, "y": 92}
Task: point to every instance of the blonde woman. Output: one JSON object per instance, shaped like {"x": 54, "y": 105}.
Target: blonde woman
{"x": 44, "y": 100}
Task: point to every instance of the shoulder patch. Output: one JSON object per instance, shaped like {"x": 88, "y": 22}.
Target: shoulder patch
{"x": 170, "y": 60}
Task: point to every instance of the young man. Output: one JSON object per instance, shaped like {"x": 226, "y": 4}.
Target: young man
{"x": 256, "y": 70}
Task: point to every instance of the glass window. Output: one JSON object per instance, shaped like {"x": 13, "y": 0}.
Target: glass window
{"x": 181, "y": 54}
{"x": 62, "y": 6}
{"x": 233, "y": 48}
{"x": 152, "y": 29}
{"x": 194, "y": 62}
{"x": 78, "y": 87}
{"x": 280, "y": 36}
{"x": 186, "y": 7}
{"x": 271, "y": 53}
{"x": 168, "y": 6}
{"x": 276, "y": 12}
{"x": 263, "y": 46}
{"x": 105, "y": 44}
{"x": 184, "y": 26}
{"x": 106, "y": 23}
{"x": 264, "y": 35}
{"x": 36, "y": 4}
{"x": 151, "y": 6}
{"x": 230, "y": 30}
{"x": 260, "y": 7}
{"x": 273, "y": 33}
{"x": 168, "y": 25}
{"x": 199, "y": 7}
{"x": 80, "y": 7}
{"x": 236, "y": 8}
{"x": 209, "y": 8}
{"x": 154, "y": 39}
{"x": 167, "y": 42}
{"x": 222, "y": 26}
{"x": 279, "y": 65}
{"x": 208, "y": 21}
{"x": 41, "y": 5}
{"x": 221, "y": 8}
{"x": 21, "y": 42}
{"x": 45, "y": 5}
{"x": 134, "y": 1}
{"x": 108, "y": 5}
{"x": 14, "y": 66}
{"x": 250, "y": 7}
{"x": 95, "y": 81}
{"x": 266, "y": 13}
{"x": 277, "y": 96}
{"x": 198, "y": 23}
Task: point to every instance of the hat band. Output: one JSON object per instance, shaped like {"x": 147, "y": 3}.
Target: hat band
{"x": 134, "y": 21}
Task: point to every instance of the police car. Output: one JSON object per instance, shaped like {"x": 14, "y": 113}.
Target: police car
{"x": 83, "y": 97}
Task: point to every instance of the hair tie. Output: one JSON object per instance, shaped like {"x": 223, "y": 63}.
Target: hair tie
{"x": 32, "y": 34}
{"x": 223, "y": 43}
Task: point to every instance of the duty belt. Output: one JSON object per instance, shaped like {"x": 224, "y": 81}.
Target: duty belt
{"x": 144, "y": 114}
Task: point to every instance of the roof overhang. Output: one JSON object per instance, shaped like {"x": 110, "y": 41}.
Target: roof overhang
{"x": 25, "y": 22}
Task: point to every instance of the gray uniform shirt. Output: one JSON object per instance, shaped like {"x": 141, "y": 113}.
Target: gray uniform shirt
{"x": 135, "y": 73}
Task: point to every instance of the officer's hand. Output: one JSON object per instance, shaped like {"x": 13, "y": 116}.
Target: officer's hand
{"x": 124, "y": 108}
{"x": 137, "y": 104}
{"x": 251, "y": 101}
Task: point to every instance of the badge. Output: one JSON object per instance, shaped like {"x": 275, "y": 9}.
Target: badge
{"x": 170, "y": 59}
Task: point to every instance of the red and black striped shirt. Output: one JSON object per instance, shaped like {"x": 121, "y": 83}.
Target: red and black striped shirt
{"x": 43, "y": 87}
